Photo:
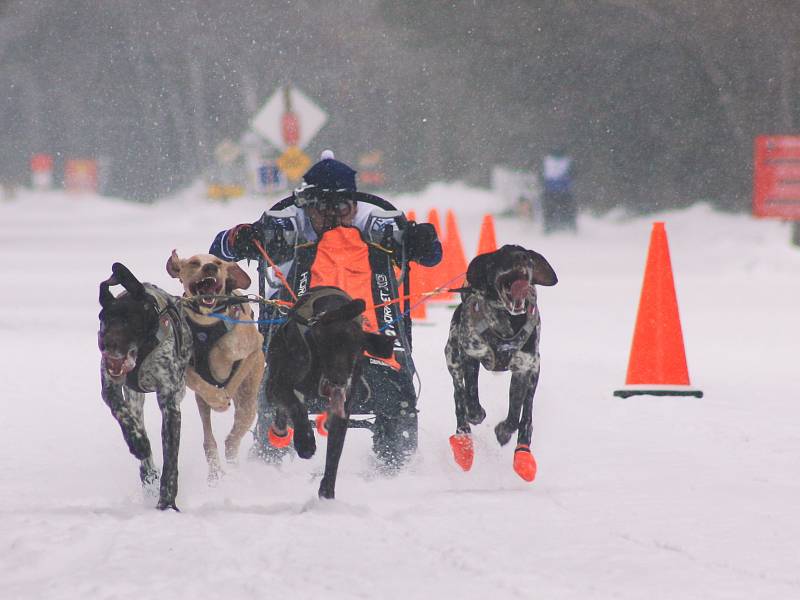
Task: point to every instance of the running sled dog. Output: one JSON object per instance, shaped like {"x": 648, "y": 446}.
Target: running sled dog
{"x": 318, "y": 353}
{"x": 497, "y": 325}
{"x": 228, "y": 360}
{"x": 145, "y": 346}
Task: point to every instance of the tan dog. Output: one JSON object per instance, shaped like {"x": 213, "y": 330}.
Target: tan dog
{"x": 228, "y": 360}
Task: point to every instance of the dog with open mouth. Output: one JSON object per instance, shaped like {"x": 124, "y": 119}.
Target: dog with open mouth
{"x": 145, "y": 345}
{"x": 228, "y": 360}
{"x": 497, "y": 325}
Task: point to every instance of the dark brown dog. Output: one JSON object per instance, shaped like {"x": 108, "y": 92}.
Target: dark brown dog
{"x": 228, "y": 360}
{"x": 318, "y": 353}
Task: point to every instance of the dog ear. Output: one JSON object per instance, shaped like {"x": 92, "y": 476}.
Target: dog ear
{"x": 478, "y": 271}
{"x": 174, "y": 265}
{"x": 128, "y": 281}
{"x": 106, "y": 297}
{"x": 378, "y": 345}
{"x": 236, "y": 278}
{"x": 543, "y": 273}
{"x": 344, "y": 313}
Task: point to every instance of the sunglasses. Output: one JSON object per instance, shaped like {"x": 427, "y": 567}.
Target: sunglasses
{"x": 338, "y": 202}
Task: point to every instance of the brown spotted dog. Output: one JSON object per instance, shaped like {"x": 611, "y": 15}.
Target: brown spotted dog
{"x": 228, "y": 360}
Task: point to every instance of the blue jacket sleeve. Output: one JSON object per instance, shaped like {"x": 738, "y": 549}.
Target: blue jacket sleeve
{"x": 221, "y": 249}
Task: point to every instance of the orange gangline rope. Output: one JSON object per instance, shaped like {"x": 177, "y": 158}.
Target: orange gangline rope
{"x": 275, "y": 268}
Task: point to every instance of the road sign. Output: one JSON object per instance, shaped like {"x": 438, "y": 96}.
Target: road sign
{"x": 294, "y": 162}
{"x": 80, "y": 175}
{"x": 289, "y": 119}
{"x": 42, "y": 171}
{"x": 776, "y": 179}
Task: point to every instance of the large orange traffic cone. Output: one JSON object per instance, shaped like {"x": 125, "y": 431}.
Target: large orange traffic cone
{"x": 418, "y": 283}
{"x": 657, "y": 364}
{"x": 454, "y": 254}
{"x": 437, "y": 275}
{"x": 487, "y": 242}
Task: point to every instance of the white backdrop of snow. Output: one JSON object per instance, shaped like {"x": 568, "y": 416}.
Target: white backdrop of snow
{"x": 657, "y": 498}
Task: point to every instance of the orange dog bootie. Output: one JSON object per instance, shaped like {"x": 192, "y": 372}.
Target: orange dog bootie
{"x": 280, "y": 441}
{"x": 321, "y": 421}
{"x": 524, "y": 463}
{"x": 463, "y": 452}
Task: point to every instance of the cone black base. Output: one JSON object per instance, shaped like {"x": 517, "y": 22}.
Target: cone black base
{"x": 643, "y": 390}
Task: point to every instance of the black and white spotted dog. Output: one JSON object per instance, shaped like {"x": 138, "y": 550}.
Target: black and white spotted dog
{"x": 146, "y": 345}
{"x": 497, "y": 325}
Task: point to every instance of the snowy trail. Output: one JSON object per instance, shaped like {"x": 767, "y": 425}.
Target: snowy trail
{"x": 638, "y": 498}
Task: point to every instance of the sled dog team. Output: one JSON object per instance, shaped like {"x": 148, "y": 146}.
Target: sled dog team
{"x": 325, "y": 348}
{"x": 152, "y": 341}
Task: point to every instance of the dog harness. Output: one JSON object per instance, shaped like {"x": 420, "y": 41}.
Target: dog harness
{"x": 204, "y": 338}
{"x": 500, "y": 349}
{"x": 311, "y": 306}
{"x": 169, "y": 318}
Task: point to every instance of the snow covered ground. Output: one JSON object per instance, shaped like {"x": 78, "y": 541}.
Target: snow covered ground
{"x": 657, "y": 498}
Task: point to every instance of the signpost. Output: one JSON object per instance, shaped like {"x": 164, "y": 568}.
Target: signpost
{"x": 289, "y": 120}
{"x": 776, "y": 179}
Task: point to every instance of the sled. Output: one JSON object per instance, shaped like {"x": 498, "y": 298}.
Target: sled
{"x": 385, "y": 402}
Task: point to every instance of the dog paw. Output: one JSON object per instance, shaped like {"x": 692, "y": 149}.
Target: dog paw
{"x": 463, "y": 452}
{"x": 503, "y": 432}
{"x": 218, "y": 400}
{"x": 280, "y": 440}
{"x": 524, "y": 463}
{"x": 232, "y": 451}
{"x": 304, "y": 442}
{"x": 475, "y": 414}
{"x": 326, "y": 490}
{"x": 165, "y": 504}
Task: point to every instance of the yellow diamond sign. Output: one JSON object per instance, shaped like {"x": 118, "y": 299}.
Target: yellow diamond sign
{"x": 294, "y": 162}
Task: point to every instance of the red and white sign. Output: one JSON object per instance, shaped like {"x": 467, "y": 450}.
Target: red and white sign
{"x": 42, "y": 171}
{"x": 776, "y": 177}
{"x": 80, "y": 175}
{"x": 289, "y": 119}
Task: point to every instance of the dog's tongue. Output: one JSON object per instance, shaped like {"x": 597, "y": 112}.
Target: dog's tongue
{"x": 118, "y": 366}
{"x": 519, "y": 290}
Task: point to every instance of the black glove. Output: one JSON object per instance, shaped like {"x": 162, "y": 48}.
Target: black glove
{"x": 420, "y": 239}
{"x": 240, "y": 240}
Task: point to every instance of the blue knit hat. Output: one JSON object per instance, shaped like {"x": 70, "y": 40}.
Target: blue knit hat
{"x": 330, "y": 174}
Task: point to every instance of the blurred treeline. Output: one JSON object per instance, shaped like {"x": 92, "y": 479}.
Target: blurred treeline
{"x": 658, "y": 100}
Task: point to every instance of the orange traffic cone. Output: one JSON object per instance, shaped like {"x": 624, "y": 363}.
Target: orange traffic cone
{"x": 487, "y": 242}
{"x": 418, "y": 283}
{"x": 454, "y": 254}
{"x": 657, "y": 364}
{"x": 437, "y": 275}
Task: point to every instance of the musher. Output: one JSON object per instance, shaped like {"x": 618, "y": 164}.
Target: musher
{"x": 328, "y": 233}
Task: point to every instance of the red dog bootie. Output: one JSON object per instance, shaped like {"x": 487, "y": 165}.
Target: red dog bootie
{"x": 280, "y": 441}
{"x": 524, "y": 463}
{"x": 321, "y": 421}
{"x": 463, "y": 452}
